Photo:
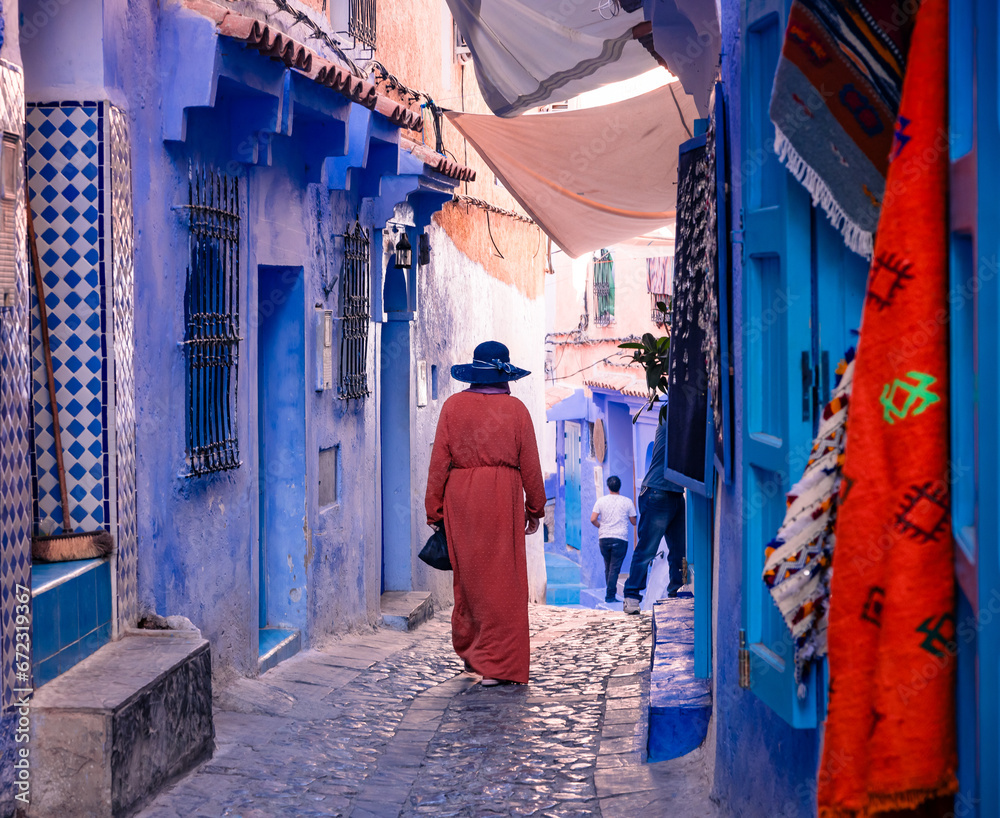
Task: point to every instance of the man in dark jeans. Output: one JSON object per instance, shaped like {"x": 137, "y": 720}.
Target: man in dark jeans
{"x": 661, "y": 514}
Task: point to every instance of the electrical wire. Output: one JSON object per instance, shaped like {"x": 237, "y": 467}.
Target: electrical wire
{"x": 680, "y": 113}
{"x": 589, "y": 366}
{"x": 301, "y": 18}
{"x": 462, "y": 198}
{"x": 490, "y": 230}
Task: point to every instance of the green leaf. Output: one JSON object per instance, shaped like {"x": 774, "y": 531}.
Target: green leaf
{"x": 631, "y": 345}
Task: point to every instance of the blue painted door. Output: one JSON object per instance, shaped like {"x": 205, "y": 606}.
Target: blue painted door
{"x": 777, "y": 427}
{"x": 573, "y": 502}
{"x": 397, "y": 500}
{"x": 802, "y": 299}
{"x": 974, "y": 300}
{"x": 281, "y": 429}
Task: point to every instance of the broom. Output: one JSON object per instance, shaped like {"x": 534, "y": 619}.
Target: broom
{"x": 70, "y": 545}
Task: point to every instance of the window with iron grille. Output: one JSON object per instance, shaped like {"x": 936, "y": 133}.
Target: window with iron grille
{"x": 660, "y": 318}
{"x": 212, "y": 319}
{"x": 361, "y": 25}
{"x": 604, "y": 289}
{"x": 355, "y": 313}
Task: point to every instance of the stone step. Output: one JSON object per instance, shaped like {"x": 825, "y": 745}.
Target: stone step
{"x": 563, "y": 593}
{"x": 276, "y": 645}
{"x": 679, "y": 704}
{"x": 405, "y": 610}
{"x": 561, "y": 570}
{"x": 112, "y": 730}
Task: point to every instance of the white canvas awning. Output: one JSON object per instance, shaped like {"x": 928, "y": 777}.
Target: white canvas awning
{"x": 590, "y": 177}
{"x": 529, "y": 53}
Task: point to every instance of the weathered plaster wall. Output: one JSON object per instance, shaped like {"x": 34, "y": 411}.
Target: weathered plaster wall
{"x": 74, "y": 30}
{"x": 459, "y": 307}
{"x": 763, "y": 767}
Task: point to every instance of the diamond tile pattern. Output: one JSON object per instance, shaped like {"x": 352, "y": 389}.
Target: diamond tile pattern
{"x": 15, "y": 417}
{"x": 123, "y": 275}
{"x": 66, "y": 176}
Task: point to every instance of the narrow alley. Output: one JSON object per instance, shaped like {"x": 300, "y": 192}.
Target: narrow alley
{"x": 459, "y": 408}
{"x": 386, "y": 723}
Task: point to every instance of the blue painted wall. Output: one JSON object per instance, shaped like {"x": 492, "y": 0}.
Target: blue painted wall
{"x": 763, "y": 767}
{"x": 199, "y": 537}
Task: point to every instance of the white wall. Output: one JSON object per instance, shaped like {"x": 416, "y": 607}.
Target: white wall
{"x": 461, "y": 305}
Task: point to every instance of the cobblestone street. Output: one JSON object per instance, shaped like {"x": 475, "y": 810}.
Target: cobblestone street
{"x": 387, "y": 724}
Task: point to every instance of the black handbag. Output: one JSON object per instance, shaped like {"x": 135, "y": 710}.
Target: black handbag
{"x": 435, "y": 552}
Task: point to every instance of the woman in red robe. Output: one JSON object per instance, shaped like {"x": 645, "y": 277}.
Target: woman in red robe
{"x": 485, "y": 485}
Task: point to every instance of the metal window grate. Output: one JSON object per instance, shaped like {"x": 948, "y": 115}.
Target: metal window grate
{"x": 212, "y": 318}
{"x": 361, "y": 24}
{"x": 355, "y": 315}
{"x": 10, "y": 185}
{"x": 604, "y": 289}
{"x": 659, "y": 318}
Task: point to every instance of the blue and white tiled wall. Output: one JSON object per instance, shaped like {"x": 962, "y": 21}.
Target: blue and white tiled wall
{"x": 79, "y": 175}
{"x": 66, "y": 181}
{"x": 15, "y": 412}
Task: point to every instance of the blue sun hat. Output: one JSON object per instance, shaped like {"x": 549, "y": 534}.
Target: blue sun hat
{"x": 490, "y": 364}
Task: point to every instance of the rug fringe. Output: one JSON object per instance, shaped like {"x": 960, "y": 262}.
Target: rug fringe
{"x": 880, "y": 803}
{"x": 856, "y": 238}
{"x": 893, "y": 802}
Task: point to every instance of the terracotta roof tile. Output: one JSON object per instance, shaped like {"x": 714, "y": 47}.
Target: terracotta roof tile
{"x": 279, "y": 46}
{"x": 438, "y": 161}
{"x": 619, "y": 382}
{"x": 608, "y": 380}
{"x": 267, "y": 41}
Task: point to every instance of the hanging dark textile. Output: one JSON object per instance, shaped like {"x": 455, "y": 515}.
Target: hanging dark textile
{"x": 687, "y": 395}
{"x": 708, "y": 286}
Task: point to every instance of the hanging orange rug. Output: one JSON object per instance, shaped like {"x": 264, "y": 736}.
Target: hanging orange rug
{"x": 889, "y": 745}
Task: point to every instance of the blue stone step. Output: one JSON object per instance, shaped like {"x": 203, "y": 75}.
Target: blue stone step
{"x": 276, "y": 645}
{"x": 679, "y": 703}
{"x": 561, "y": 570}
{"x": 562, "y": 594}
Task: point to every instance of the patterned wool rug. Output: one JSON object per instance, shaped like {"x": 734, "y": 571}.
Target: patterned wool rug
{"x": 890, "y": 740}
{"x": 834, "y": 102}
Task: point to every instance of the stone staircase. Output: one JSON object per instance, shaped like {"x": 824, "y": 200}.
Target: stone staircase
{"x": 563, "y": 584}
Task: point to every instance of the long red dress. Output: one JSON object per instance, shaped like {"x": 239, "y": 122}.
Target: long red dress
{"x": 484, "y": 477}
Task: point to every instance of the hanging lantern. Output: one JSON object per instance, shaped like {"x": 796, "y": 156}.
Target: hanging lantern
{"x": 404, "y": 253}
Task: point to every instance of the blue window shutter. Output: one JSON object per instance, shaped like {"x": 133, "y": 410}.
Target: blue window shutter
{"x": 778, "y": 363}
